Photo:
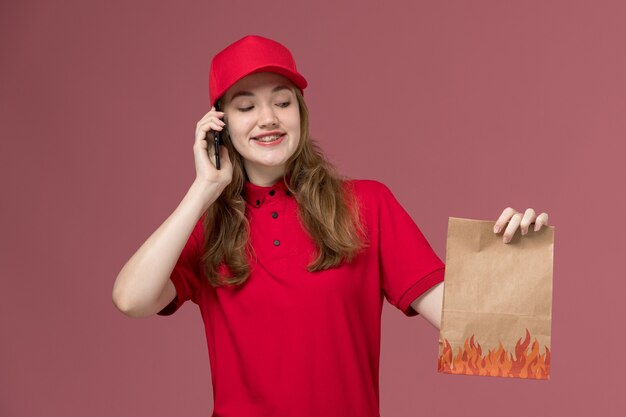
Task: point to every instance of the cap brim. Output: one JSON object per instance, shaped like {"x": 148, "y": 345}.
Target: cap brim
{"x": 297, "y": 79}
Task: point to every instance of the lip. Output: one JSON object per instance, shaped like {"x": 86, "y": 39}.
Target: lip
{"x": 273, "y": 132}
{"x": 276, "y": 142}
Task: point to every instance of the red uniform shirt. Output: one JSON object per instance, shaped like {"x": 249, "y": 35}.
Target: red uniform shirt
{"x": 294, "y": 343}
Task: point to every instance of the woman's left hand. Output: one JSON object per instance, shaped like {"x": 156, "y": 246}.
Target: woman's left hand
{"x": 517, "y": 219}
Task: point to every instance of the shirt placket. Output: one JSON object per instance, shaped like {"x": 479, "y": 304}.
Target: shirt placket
{"x": 274, "y": 215}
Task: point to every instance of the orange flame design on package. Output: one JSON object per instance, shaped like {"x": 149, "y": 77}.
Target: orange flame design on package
{"x": 470, "y": 361}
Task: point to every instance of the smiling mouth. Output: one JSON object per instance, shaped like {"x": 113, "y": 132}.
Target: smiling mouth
{"x": 267, "y": 139}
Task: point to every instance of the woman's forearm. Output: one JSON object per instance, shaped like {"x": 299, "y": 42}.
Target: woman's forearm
{"x": 141, "y": 281}
{"x": 430, "y": 305}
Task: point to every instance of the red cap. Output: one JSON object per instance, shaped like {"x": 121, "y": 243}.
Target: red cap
{"x": 246, "y": 56}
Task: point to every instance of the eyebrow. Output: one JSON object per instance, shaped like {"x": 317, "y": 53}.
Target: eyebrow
{"x": 248, "y": 93}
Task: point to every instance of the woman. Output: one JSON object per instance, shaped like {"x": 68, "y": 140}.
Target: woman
{"x": 288, "y": 262}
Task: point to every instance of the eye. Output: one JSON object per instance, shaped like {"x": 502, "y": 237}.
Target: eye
{"x": 244, "y": 109}
{"x": 285, "y": 104}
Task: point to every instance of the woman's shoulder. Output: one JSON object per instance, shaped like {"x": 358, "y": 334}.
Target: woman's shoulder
{"x": 364, "y": 186}
{"x": 370, "y": 193}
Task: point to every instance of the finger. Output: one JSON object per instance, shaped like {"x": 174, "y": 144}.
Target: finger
{"x": 214, "y": 113}
{"x": 542, "y": 220}
{"x": 216, "y": 126}
{"x": 512, "y": 227}
{"x": 506, "y": 215}
{"x": 211, "y": 115}
{"x": 213, "y": 110}
{"x": 209, "y": 123}
{"x": 529, "y": 217}
{"x": 205, "y": 136}
{"x": 203, "y": 130}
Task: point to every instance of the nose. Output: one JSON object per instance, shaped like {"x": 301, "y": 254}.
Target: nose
{"x": 268, "y": 117}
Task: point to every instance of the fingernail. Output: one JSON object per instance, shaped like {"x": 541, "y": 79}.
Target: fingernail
{"x": 507, "y": 240}
{"x": 496, "y": 229}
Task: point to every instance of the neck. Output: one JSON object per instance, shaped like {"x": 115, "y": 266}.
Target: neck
{"x": 265, "y": 177}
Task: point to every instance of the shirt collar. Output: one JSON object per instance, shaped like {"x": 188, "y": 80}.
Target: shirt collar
{"x": 256, "y": 195}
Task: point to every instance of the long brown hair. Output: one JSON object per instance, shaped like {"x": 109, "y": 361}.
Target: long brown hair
{"x": 327, "y": 208}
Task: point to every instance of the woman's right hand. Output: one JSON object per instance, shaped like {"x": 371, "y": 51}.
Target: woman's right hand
{"x": 204, "y": 152}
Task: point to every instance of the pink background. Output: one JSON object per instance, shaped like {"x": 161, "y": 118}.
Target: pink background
{"x": 461, "y": 107}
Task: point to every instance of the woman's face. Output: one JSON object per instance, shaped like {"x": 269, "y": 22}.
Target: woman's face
{"x": 263, "y": 120}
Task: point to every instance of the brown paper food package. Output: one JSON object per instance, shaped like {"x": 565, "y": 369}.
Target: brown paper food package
{"x": 497, "y": 302}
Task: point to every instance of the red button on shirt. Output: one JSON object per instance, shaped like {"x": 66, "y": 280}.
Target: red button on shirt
{"x": 294, "y": 343}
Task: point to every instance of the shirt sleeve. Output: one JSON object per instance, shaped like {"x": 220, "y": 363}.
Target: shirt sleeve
{"x": 186, "y": 275}
{"x": 408, "y": 265}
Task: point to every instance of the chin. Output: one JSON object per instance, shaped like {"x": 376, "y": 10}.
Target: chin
{"x": 272, "y": 164}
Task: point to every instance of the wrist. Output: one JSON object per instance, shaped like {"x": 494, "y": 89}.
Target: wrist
{"x": 204, "y": 192}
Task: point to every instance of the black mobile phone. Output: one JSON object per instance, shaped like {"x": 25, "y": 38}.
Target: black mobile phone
{"x": 217, "y": 142}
